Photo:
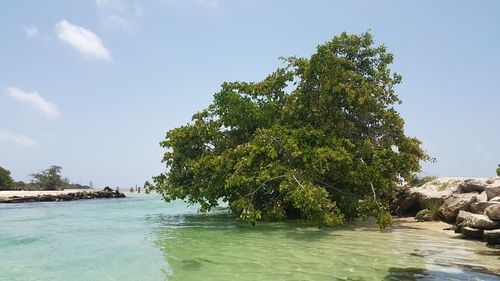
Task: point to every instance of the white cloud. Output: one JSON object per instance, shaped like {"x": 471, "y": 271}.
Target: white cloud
{"x": 83, "y": 40}
{"x": 118, "y": 13}
{"x": 31, "y": 31}
{"x": 48, "y": 109}
{"x": 23, "y": 140}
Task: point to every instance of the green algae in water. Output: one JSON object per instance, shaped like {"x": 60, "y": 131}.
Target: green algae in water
{"x": 289, "y": 251}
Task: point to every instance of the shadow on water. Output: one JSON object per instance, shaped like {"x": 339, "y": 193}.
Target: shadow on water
{"x": 422, "y": 274}
{"x": 168, "y": 226}
{"x": 224, "y": 220}
{"x": 467, "y": 273}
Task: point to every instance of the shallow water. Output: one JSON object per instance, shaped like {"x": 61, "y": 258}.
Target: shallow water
{"x": 142, "y": 238}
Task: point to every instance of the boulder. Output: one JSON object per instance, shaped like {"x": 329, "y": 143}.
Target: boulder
{"x": 493, "y": 180}
{"x": 120, "y": 195}
{"x": 482, "y": 197}
{"x": 471, "y": 185}
{"x": 424, "y": 215}
{"x": 472, "y": 233}
{"x": 478, "y": 207}
{"x": 493, "y": 212}
{"x": 434, "y": 192}
{"x": 492, "y": 237}
{"x": 457, "y": 202}
{"x": 404, "y": 201}
{"x": 492, "y": 191}
{"x": 467, "y": 219}
{"x": 495, "y": 199}
{"x": 463, "y": 215}
{"x": 490, "y": 180}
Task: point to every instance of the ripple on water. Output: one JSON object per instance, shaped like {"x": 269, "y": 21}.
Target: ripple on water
{"x": 142, "y": 238}
{"x": 213, "y": 248}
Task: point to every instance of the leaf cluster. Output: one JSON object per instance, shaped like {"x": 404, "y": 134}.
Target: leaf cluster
{"x": 49, "y": 179}
{"x": 6, "y": 181}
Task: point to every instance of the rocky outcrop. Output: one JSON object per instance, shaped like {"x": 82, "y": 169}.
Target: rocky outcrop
{"x": 492, "y": 191}
{"x": 471, "y": 233}
{"x": 492, "y": 237}
{"x": 467, "y": 219}
{"x": 471, "y": 185}
{"x": 434, "y": 192}
{"x": 64, "y": 197}
{"x": 424, "y": 215}
{"x": 493, "y": 212}
{"x": 472, "y": 204}
{"x": 456, "y": 203}
{"x": 478, "y": 207}
{"x": 411, "y": 199}
{"x": 463, "y": 215}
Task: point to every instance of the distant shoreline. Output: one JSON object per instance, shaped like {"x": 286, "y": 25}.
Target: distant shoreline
{"x": 22, "y": 196}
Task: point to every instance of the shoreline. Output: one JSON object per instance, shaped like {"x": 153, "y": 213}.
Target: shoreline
{"x": 22, "y": 196}
{"x": 439, "y": 227}
{"x": 25, "y": 193}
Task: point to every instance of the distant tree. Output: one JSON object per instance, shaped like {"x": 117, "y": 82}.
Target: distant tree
{"x": 498, "y": 170}
{"x": 20, "y": 185}
{"x": 6, "y": 181}
{"x": 66, "y": 182}
{"x": 49, "y": 179}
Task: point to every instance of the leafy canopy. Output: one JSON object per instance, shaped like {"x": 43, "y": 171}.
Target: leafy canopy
{"x": 6, "y": 181}
{"x": 49, "y": 179}
{"x": 318, "y": 139}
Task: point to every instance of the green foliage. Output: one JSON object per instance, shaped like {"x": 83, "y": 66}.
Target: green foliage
{"x": 371, "y": 207}
{"x": 49, "y": 179}
{"x": 445, "y": 185}
{"x": 6, "y": 180}
{"x": 416, "y": 181}
{"x": 312, "y": 141}
{"x": 498, "y": 171}
{"x": 434, "y": 208}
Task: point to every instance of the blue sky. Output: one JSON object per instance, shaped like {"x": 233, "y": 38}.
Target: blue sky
{"x": 94, "y": 85}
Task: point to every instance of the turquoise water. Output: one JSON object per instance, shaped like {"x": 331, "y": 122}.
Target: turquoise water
{"x": 143, "y": 238}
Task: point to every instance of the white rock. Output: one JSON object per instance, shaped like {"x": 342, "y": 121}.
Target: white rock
{"x": 467, "y": 219}
{"x": 457, "y": 202}
{"x": 493, "y": 212}
{"x": 492, "y": 191}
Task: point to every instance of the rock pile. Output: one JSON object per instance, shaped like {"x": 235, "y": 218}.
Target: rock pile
{"x": 107, "y": 193}
{"x": 473, "y": 205}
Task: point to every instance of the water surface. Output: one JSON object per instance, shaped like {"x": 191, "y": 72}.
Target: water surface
{"x": 143, "y": 238}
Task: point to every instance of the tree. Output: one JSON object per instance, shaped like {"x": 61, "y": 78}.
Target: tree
{"x": 318, "y": 139}
{"x": 6, "y": 181}
{"x": 49, "y": 179}
{"x": 498, "y": 170}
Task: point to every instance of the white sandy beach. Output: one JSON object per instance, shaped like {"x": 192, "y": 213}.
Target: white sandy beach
{"x": 435, "y": 226}
{"x": 25, "y": 193}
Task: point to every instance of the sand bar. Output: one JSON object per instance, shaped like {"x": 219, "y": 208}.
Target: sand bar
{"x": 25, "y": 193}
